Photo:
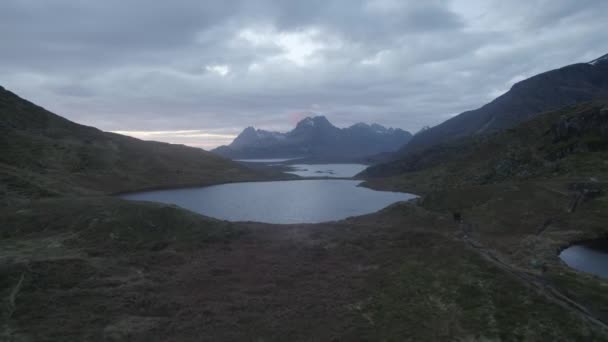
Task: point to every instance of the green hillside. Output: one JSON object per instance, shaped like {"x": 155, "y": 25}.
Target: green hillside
{"x": 42, "y": 154}
{"x": 568, "y": 143}
{"x": 522, "y": 195}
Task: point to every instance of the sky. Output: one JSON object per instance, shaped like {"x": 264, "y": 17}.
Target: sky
{"x": 197, "y": 72}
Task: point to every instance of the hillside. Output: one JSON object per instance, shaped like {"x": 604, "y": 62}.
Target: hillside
{"x": 570, "y": 142}
{"x": 316, "y": 138}
{"x": 544, "y": 92}
{"x": 43, "y": 154}
{"x": 522, "y": 195}
{"x": 103, "y": 268}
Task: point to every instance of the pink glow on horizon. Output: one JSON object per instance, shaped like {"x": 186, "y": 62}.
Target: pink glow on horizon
{"x": 296, "y": 117}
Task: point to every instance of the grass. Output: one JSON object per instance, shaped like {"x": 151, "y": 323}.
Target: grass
{"x": 69, "y": 257}
{"x": 103, "y": 267}
{"x": 463, "y": 297}
{"x": 77, "y": 265}
{"x": 42, "y": 154}
{"x": 515, "y": 192}
{"x": 532, "y": 150}
{"x": 101, "y": 222}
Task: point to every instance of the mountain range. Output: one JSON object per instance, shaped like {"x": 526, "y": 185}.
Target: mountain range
{"x": 315, "y": 137}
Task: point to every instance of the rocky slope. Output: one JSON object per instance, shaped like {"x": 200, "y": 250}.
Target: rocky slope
{"x": 547, "y": 91}
{"x": 316, "y": 138}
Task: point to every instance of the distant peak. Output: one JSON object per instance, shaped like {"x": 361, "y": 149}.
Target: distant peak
{"x": 373, "y": 126}
{"x": 248, "y": 131}
{"x": 601, "y": 60}
{"x": 317, "y": 120}
{"x": 378, "y": 127}
{"x": 360, "y": 125}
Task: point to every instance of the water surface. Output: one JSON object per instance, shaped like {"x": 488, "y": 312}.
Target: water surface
{"x": 327, "y": 170}
{"x": 301, "y": 201}
{"x": 269, "y": 160}
{"x": 590, "y": 257}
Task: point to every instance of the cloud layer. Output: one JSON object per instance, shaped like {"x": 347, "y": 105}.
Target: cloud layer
{"x": 197, "y": 72}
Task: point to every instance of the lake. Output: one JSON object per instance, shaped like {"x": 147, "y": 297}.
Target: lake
{"x": 264, "y": 161}
{"x": 327, "y": 170}
{"x": 590, "y": 257}
{"x": 300, "y": 201}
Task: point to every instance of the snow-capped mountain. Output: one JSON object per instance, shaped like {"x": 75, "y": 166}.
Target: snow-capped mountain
{"x": 316, "y": 137}
{"x": 601, "y": 60}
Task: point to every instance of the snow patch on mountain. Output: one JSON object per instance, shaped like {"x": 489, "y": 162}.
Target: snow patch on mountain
{"x": 603, "y": 59}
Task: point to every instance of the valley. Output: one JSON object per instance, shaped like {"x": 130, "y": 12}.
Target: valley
{"x": 476, "y": 256}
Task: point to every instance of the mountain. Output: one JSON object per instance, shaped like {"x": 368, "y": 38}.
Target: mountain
{"x": 547, "y": 91}
{"x": 571, "y": 142}
{"x": 43, "y": 154}
{"x": 315, "y": 137}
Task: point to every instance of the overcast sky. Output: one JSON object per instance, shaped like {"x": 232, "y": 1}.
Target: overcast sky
{"x": 198, "y": 72}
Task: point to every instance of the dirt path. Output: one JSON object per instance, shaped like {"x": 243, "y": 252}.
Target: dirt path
{"x": 532, "y": 280}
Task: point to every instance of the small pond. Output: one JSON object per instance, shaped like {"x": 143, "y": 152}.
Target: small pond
{"x": 590, "y": 257}
{"x": 300, "y": 201}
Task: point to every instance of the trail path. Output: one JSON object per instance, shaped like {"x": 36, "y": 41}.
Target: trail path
{"x": 533, "y": 280}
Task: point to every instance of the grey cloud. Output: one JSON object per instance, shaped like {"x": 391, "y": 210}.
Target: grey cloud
{"x": 219, "y": 66}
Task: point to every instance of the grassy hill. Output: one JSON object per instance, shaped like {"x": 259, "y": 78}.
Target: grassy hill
{"x": 571, "y": 142}
{"x": 522, "y": 195}
{"x": 43, "y": 154}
